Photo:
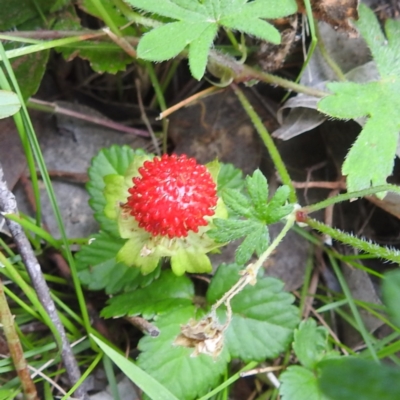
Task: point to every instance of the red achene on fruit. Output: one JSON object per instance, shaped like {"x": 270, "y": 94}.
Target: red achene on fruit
{"x": 173, "y": 196}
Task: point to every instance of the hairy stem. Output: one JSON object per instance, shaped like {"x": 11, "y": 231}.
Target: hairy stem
{"x": 364, "y": 245}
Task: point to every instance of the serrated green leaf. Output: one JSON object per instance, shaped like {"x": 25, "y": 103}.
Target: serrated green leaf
{"x": 229, "y": 177}
{"x": 198, "y": 51}
{"x": 230, "y": 229}
{"x": 167, "y": 41}
{"x": 238, "y": 203}
{"x": 165, "y": 294}
{"x": 98, "y": 268}
{"x": 114, "y": 160}
{"x": 391, "y": 295}
{"x": 185, "y": 376}
{"x": 298, "y": 383}
{"x": 263, "y": 316}
{"x": 371, "y": 158}
{"x": 257, "y": 188}
{"x": 310, "y": 343}
{"x": 256, "y": 241}
{"x": 253, "y": 26}
{"x": 198, "y": 23}
{"x": 349, "y": 378}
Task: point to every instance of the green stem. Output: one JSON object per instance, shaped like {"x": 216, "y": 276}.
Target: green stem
{"x": 15, "y": 348}
{"x": 368, "y": 247}
{"x": 350, "y": 196}
{"x": 269, "y": 143}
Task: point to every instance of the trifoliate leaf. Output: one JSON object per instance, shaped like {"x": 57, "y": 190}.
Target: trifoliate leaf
{"x": 198, "y": 23}
{"x": 98, "y": 268}
{"x": 263, "y": 315}
{"x": 114, "y": 160}
{"x": 185, "y": 376}
{"x": 310, "y": 343}
{"x": 350, "y": 378}
{"x": 391, "y": 295}
{"x": 371, "y": 159}
{"x": 165, "y": 294}
{"x": 258, "y": 213}
{"x": 298, "y": 383}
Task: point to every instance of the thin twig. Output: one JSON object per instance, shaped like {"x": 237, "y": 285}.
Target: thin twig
{"x": 8, "y": 205}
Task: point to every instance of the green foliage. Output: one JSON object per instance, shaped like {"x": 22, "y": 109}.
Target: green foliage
{"x": 370, "y": 161}
{"x": 185, "y": 376}
{"x": 165, "y": 294}
{"x": 263, "y": 315}
{"x": 354, "y": 378}
{"x": 114, "y": 160}
{"x": 258, "y": 211}
{"x": 99, "y": 269}
{"x": 262, "y": 325}
{"x": 145, "y": 382}
{"x": 197, "y": 22}
{"x": 311, "y": 346}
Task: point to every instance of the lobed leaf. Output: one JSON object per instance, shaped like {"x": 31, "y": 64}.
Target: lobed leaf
{"x": 371, "y": 159}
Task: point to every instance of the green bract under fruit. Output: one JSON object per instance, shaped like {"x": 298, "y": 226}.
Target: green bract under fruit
{"x": 164, "y": 207}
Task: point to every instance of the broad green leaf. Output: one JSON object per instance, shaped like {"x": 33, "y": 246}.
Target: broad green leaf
{"x": 371, "y": 158}
{"x": 197, "y": 23}
{"x": 145, "y": 382}
{"x": 298, "y": 383}
{"x": 165, "y": 294}
{"x": 310, "y": 343}
{"x": 98, "y": 268}
{"x": 114, "y": 160}
{"x": 185, "y": 376}
{"x": 9, "y": 103}
{"x": 391, "y": 295}
{"x": 263, "y": 317}
{"x": 351, "y": 378}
